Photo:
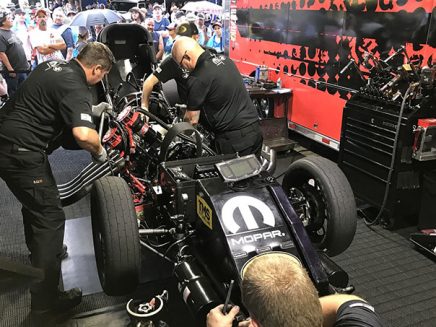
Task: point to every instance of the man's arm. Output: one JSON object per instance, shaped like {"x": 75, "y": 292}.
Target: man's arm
{"x": 147, "y": 88}
{"x": 160, "y": 51}
{"x": 67, "y": 36}
{"x": 5, "y": 60}
{"x": 192, "y": 117}
{"x": 88, "y": 139}
{"x": 47, "y": 49}
{"x": 330, "y": 305}
{"x": 58, "y": 45}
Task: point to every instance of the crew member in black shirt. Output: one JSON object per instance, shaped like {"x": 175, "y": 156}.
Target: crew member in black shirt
{"x": 216, "y": 90}
{"x": 55, "y": 97}
{"x": 169, "y": 69}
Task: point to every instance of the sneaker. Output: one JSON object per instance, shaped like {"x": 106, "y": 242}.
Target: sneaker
{"x": 65, "y": 300}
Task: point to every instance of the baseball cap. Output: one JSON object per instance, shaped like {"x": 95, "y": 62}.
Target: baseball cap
{"x": 156, "y": 5}
{"x": 187, "y": 29}
{"x": 3, "y": 15}
{"x": 179, "y": 14}
{"x": 19, "y": 11}
{"x": 83, "y": 31}
{"x": 171, "y": 26}
{"x": 190, "y": 17}
{"x": 43, "y": 10}
{"x": 216, "y": 24}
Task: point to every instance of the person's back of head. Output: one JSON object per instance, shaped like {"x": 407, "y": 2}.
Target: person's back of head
{"x": 278, "y": 292}
{"x": 187, "y": 29}
{"x": 96, "y": 53}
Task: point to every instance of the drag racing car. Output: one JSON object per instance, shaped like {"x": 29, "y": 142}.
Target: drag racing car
{"x": 166, "y": 190}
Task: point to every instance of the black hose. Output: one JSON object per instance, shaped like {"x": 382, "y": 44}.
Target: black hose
{"x": 391, "y": 167}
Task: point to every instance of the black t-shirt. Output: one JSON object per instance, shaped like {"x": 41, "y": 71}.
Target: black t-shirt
{"x": 216, "y": 88}
{"x": 55, "y": 96}
{"x": 357, "y": 313}
{"x": 168, "y": 70}
{"x": 12, "y": 46}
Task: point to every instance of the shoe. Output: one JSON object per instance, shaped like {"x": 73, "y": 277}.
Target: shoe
{"x": 64, "y": 253}
{"x": 65, "y": 300}
{"x": 62, "y": 256}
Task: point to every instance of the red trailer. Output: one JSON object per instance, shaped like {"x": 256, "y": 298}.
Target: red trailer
{"x": 306, "y": 43}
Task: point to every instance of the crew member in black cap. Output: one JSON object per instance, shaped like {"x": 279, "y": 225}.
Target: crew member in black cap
{"x": 169, "y": 69}
{"x": 54, "y": 98}
{"x": 217, "y": 92}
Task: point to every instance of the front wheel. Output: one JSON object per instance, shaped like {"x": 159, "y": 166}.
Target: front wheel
{"x": 116, "y": 236}
{"x": 323, "y": 199}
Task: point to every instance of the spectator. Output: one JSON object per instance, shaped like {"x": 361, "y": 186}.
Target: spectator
{"x": 170, "y": 40}
{"x": 46, "y": 42}
{"x": 203, "y": 36}
{"x": 160, "y": 22}
{"x": 216, "y": 41}
{"x": 57, "y": 4}
{"x": 12, "y": 55}
{"x": 74, "y": 29}
{"x": 82, "y": 40}
{"x": 179, "y": 17}
{"x": 97, "y": 30}
{"x": 190, "y": 17}
{"x": 136, "y": 15}
{"x": 149, "y": 10}
{"x": 277, "y": 291}
{"x": 65, "y": 31}
{"x": 21, "y": 28}
{"x": 158, "y": 42}
{"x": 217, "y": 92}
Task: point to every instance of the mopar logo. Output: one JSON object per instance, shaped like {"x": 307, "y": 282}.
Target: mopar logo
{"x": 256, "y": 236}
{"x": 245, "y": 204}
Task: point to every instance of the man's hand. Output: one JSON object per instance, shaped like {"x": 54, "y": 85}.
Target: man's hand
{"x": 97, "y": 110}
{"x": 99, "y": 157}
{"x": 216, "y": 318}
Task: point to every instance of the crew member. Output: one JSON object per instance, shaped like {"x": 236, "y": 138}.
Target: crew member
{"x": 169, "y": 69}
{"x": 277, "y": 291}
{"x": 216, "y": 90}
{"x": 55, "y": 97}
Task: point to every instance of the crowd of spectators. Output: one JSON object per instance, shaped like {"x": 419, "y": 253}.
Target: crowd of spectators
{"x": 45, "y": 33}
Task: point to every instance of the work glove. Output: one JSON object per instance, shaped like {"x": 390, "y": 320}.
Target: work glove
{"x": 99, "y": 157}
{"x": 98, "y": 109}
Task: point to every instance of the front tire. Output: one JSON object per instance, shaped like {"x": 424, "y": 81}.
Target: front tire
{"x": 323, "y": 199}
{"x": 116, "y": 236}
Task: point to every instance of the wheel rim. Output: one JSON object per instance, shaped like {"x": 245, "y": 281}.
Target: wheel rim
{"x": 309, "y": 203}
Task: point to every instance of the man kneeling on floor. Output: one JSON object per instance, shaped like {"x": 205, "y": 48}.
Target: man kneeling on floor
{"x": 278, "y": 292}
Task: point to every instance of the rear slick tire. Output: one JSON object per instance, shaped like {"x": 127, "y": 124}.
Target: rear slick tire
{"x": 116, "y": 236}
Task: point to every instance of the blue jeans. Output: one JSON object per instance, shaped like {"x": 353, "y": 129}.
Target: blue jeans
{"x": 13, "y": 82}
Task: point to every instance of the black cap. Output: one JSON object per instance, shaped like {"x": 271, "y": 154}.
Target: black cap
{"x": 3, "y": 15}
{"x": 187, "y": 29}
